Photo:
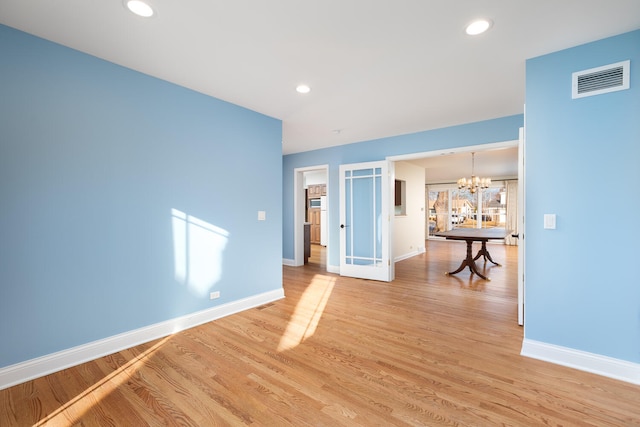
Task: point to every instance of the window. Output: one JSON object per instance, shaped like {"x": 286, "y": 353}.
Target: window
{"x": 451, "y": 208}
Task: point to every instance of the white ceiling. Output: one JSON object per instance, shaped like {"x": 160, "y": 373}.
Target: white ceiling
{"x": 496, "y": 164}
{"x": 377, "y": 68}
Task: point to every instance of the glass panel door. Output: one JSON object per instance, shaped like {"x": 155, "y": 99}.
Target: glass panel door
{"x": 494, "y": 208}
{"x": 364, "y": 221}
{"x": 463, "y": 205}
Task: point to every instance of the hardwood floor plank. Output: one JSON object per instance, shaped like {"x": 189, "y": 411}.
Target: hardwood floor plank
{"x": 424, "y": 350}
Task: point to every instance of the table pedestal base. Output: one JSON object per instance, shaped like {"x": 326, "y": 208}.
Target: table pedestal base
{"x": 470, "y": 261}
{"x": 471, "y": 235}
{"x": 484, "y": 252}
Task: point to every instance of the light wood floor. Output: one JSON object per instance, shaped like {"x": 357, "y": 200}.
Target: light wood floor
{"x": 424, "y": 350}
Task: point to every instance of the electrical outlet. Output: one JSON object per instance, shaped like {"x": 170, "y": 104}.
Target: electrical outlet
{"x": 214, "y": 295}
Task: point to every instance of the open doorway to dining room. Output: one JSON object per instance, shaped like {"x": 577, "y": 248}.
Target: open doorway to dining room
{"x": 499, "y": 205}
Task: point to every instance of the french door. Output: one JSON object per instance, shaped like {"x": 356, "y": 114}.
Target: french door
{"x": 365, "y": 220}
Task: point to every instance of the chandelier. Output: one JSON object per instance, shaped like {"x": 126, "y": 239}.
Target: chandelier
{"x": 474, "y": 182}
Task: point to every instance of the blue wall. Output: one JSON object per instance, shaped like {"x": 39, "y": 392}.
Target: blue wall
{"x": 94, "y": 159}
{"x": 490, "y": 131}
{"x": 583, "y": 164}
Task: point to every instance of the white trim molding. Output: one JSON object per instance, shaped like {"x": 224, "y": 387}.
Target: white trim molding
{"x": 38, "y": 367}
{"x": 420, "y": 251}
{"x": 289, "y": 262}
{"x": 582, "y": 360}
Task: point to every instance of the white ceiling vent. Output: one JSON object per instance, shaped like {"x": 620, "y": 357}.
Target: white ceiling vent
{"x": 609, "y": 78}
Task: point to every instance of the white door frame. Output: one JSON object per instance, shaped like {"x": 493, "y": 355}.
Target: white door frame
{"x": 298, "y": 213}
{"x": 521, "y": 211}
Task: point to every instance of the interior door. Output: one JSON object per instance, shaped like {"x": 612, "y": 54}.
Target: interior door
{"x": 365, "y": 221}
{"x": 521, "y": 208}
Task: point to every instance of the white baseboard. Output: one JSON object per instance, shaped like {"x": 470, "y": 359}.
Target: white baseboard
{"x": 582, "y": 360}
{"x": 409, "y": 255}
{"x": 34, "y": 368}
{"x": 289, "y": 262}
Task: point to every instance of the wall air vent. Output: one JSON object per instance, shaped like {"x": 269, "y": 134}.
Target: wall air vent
{"x": 609, "y": 78}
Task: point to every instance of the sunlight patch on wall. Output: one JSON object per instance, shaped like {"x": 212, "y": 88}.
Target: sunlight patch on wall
{"x": 198, "y": 247}
{"x": 305, "y": 319}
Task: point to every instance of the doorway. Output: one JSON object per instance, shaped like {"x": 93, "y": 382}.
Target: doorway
{"x": 456, "y": 215}
{"x": 311, "y": 207}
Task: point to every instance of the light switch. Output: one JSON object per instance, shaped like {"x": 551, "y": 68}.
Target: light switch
{"x": 550, "y": 221}
{"x": 262, "y": 215}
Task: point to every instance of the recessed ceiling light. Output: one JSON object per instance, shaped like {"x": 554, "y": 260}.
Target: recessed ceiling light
{"x": 303, "y": 89}
{"x": 140, "y": 8}
{"x": 478, "y": 27}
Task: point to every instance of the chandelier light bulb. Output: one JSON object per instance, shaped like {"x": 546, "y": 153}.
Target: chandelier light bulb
{"x": 475, "y": 182}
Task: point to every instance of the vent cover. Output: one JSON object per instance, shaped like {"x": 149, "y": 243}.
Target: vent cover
{"x": 595, "y": 81}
